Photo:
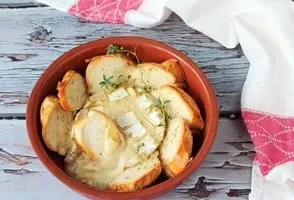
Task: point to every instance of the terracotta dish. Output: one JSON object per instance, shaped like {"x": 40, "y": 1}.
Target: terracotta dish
{"x": 147, "y": 50}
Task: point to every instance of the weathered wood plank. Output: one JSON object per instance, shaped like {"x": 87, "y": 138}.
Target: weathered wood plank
{"x": 33, "y": 37}
{"x": 16, "y": 1}
{"x": 225, "y": 174}
{"x": 20, "y": 4}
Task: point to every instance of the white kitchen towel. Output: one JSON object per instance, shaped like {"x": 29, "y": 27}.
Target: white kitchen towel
{"x": 265, "y": 31}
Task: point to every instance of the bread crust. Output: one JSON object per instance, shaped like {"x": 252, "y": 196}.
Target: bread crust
{"x": 196, "y": 121}
{"x": 174, "y": 67}
{"x": 62, "y": 87}
{"x": 140, "y": 183}
{"x": 47, "y": 106}
{"x": 182, "y": 157}
{"x": 116, "y": 136}
{"x": 113, "y": 55}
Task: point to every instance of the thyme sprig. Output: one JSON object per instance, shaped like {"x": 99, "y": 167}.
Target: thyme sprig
{"x": 107, "y": 82}
{"x": 162, "y": 106}
{"x": 158, "y": 102}
{"x": 120, "y": 49}
{"x": 114, "y": 49}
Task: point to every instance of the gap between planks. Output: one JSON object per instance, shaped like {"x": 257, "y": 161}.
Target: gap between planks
{"x": 21, "y": 116}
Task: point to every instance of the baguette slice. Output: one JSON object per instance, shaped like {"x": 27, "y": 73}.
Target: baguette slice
{"x": 56, "y": 124}
{"x": 72, "y": 91}
{"x": 156, "y": 75}
{"x": 176, "y": 148}
{"x": 174, "y": 67}
{"x": 110, "y": 65}
{"x": 181, "y": 105}
{"x": 97, "y": 135}
{"x": 138, "y": 177}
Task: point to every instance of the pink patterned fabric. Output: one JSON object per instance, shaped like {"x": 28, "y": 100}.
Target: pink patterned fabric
{"x": 273, "y": 138}
{"x": 111, "y": 11}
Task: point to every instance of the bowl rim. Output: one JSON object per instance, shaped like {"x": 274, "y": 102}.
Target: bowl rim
{"x": 151, "y": 191}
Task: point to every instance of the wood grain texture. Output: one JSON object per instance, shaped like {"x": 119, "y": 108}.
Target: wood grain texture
{"x": 34, "y": 37}
{"x": 20, "y": 4}
{"x": 225, "y": 173}
{"x": 16, "y": 1}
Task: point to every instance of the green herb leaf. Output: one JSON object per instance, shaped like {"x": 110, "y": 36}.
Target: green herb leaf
{"x": 148, "y": 88}
{"x": 120, "y": 49}
{"x": 160, "y": 104}
{"x": 107, "y": 82}
{"x": 113, "y": 49}
{"x": 166, "y": 102}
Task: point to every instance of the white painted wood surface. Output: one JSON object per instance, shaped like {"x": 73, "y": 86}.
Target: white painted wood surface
{"x": 32, "y": 36}
{"x": 225, "y": 174}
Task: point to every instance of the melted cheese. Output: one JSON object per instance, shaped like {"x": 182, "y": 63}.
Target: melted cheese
{"x": 146, "y": 146}
{"x": 143, "y": 102}
{"x": 95, "y": 173}
{"x": 127, "y": 119}
{"x": 118, "y": 94}
{"x": 139, "y": 129}
{"x": 155, "y": 117}
{"x": 136, "y": 130}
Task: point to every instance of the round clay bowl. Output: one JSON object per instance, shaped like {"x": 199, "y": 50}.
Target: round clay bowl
{"x": 147, "y": 50}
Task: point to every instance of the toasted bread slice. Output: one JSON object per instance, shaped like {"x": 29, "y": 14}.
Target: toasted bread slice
{"x": 176, "y": 148}
{"x": 156, "y": 75}
{"x": 139, "y": 176}
{"x": 181, "y": 105}
{"x": 174, "y": 67}
{"x": 111, "y": 65}
{"x": 97, "y": 135}
{"x": 56, "y": 125}
{"x": 72, "y": 91}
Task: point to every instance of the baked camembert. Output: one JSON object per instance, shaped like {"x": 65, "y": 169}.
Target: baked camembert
{"x": 122, "y": 125}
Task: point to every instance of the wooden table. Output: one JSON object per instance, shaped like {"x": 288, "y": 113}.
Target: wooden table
{"x": 33, "y": 35}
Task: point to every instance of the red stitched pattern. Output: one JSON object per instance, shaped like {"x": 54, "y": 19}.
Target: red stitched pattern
{"x": 110, "y": 11}
{"x": 273, "y": 138}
